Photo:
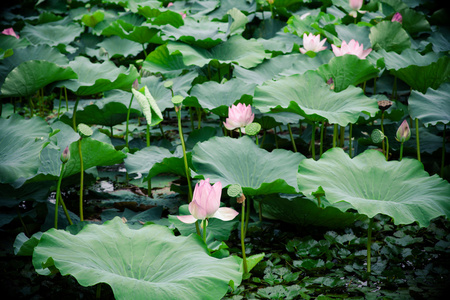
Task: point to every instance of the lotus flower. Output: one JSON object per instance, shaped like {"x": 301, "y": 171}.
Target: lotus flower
{"x": 65, "y": 156}
{"x": 403, "y": 132}
{"x": 356, "y": 5}
{"x": 397, "y": 17}
{"x": 239, "y": 116}
{"x": 10, "y": 31}
{"x": 206, "y": 204}
{"x": 170, "y": 4}
{"x": 312, "y": 43}
{"x": 353, "y": 47}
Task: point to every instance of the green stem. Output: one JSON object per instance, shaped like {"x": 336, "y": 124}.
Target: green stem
{"x": 204, "y": 230}
{"x": 313, "y": 141}
{"x": 31, "y": 107}
{"x": 148, "y": 135}
{"x": 99, "y": 290}
{"x": 27, "y": 233}
{"x": 401, "y": 152}
{"x": 112, "y": 131}
{"x": 263, "y": 138}
{"x": 417, "y": 139}
{"x": 275, "y": 134}
{"x": 183, "y": 145}
{"x": 387, "y": 148}
{"x": 382, "y": 130}
{"x": 59, "y": 106}
{"x": 394, "y": 89}
{"x": 240, "y": 132}
{"x": 67, "y": 100}
{"x": 81, "y": 180}
{"x": 443, "y": 151}
{"x": 292, "y": 137}
{"x": 369, "y": 243}
{"x": 197, "y": 228}
{"x": 318, "y": 201}
{"x": 322, "y": 130}
{"x": 66, "y": 212}
{"x": 374, "y": 85}
{"x": 162, "y": 131}
{"x": 199, "y": 118}
{"x": 342, "y": 137}
{"x": 350, "y": 134}
{"x": 247, "y": 216}
{"x": 128, "y": 120}
{"x": 74, "y": 117}
{"x": 335, "y": 133}
{"x": 145, "y": 52}
{"x": 58, "y": 194}
{"x": 244, "y": 257}
{"x": 149, "y": 187}
{"x": 191, "y": 115}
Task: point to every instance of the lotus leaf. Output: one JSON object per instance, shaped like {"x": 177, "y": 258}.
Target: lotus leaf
{"x": 161, "y": 61}
{"x": 389, "y": 36}
{"x": 431, "y": 108}
{"x": 96, "y": 78}
{"x": 137, "y": 263}
{"x": 282, "y": 41}
{"x": 303, "y": 63}
{"x": 294, "y": 94}
{"x": 129, "y": 26}
{"x": 226, "y": 5}
{"x": 115, "y": 46}
{"x": 51, "y": 34}
{"x": 246, "y": 53}
{"x": 21, "y": 142}
{"x": 240, "y": 161}
{"x": 402, "y": 190}
{"x": 148, "y": 105}
{"x": 354, "y": 32}
{"x": 157, "y": 17}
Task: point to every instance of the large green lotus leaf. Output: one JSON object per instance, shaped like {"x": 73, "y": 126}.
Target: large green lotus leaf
{"x": 21, "y": 141}
{"x": 129, "y": 26}
{"x": 51, "y": 34}
{"x": 304, "y": 63}
{"x": 389, "y": 36}
{"x": 439, "y": 42}
{"x": 347, "y": 70}
{"x": 224, "y": 95}
{"x": 431, "y": 108}
{"x": 161, "y": 61}
{"x": 93, "y": 19}
{"x": 216, "y": 229}
{"x": 407, "y": 58}
{"x": 157, "y": 17}
{"x": 226, "y": 5}
{"x": 414, "y": 21}
{"x": 10, "y": 42}
{"x": 246, "y": 53}
{"x": 309, "y": 96}
{"x": 96, "y": 78}
{"x": 134, "y": 5}
{"x": 115, "y": 46}
{"x": 204, "y": 34}
{"x": 354, "y": 32}
{"x": 266, "y": 70}
{"x": 240, "y": 161}
{"x": 302, "y": 211}
{"x": 402, "y": 190}
{"x": 109, "y": 111}
{"x": 321, "y": 23}
{"x": 282, "y": 42}
{"x": 30, "y": 76}
{"x": 153, "y": 160}
{"x": 38, "y": 52}
{"x": 138, "y": 263}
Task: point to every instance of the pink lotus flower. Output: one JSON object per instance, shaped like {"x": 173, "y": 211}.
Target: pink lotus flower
{"x": 183, "y": 15}
{"x": 206, "y": 204}
{"x": 239, "y": 116}
{"x": 403, "y": 132}
{"x": 353, "y": 47}
{"x": 10, "y": 31}
{"x": 170, "y": 4}
{"x": 312, "y": 43}
{"x": 356, "y": 5}
{"x": 397, "y": 17}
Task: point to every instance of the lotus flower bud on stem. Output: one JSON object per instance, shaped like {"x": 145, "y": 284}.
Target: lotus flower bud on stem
{"x": 397, "y": 17}
{"x": 403, "y": 132}
{"x": 65, "y": 156}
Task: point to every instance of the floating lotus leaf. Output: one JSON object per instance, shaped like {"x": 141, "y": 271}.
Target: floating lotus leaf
{"x": 21, "y": 142}
{"x": 137, "y": 263}
{"x": 302, "y": 211}
{"x": 96, "y": 78}
{"x": 402, "y": 190}
{"x": 246, "y": 53}
{"x": 347, "y": 70}
{"x": 295, "y": 94}
{"x": 224, "y": 95}
{"x": 431, "y": 108}
{"x": 93, "y": 19}
{"x": 414, "y": 21}
{"x": 10, "y": 42}
{"x": 389, "y": 36}
{"x": 240, "y": 161}
{"x": 30, "y": 76}
{"x": 51, "y": 34}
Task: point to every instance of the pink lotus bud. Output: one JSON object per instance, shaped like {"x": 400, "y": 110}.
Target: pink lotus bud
{"x": 65, "y": 156}
{"x": 136, "y": 84}
{"x": 353, "y": 47}
{"x": 356, "y": 4}
{"x": 183, "y": 15}
{"x": 403, "y": 132}
{"x": 397, "y": 17}
{"x": 206, "y": 204}
{"x": 312, "y": 43}
{"x": 10, "y": 31}
{"x": 239, "y": 116}
{"x": 170, "y": 4}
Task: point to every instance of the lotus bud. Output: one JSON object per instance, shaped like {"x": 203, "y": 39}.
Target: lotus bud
{"x": 10, "y": 31}
{"x": 403, "y": 132}
{"x": 65, "y": 156}
{"x": 397, "y": 17}
{"x": 377, "y": 136}
{"x": 136, "y": 84}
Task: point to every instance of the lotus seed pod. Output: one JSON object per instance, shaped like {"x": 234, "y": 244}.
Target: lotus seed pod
{"x": 84, "y": 130}
{"x": 377, "y": 136}
{"x": 177, "y": 100}
{"x": 168, "y": 84}
{"x": 234, "y": 190}
{"x": 65, "y": 156}
{"x": 384, "y": 104}
{"x": 252, "y": 128}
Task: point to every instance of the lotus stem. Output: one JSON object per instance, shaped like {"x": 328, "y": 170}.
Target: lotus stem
{"x": 147, "y": 135}
{"x": 292, "y": 137}
{"x": 99, "y": 290}
{"x": 149, "y": 188}
{"x": 401, "y": 152}
{"x": 25, "y": 228}
{"x": 67, "y": 100}
{"x": 443, "y": 151}
{"x": 275, "y": 135}
{"x": 271, "y": 11}
{"x": 145, "y": 52}
{"x": 382, "y": 130}
{"x": 65, "y": 209}
{"x": 240, "y": 132}
{"x": 191, "y": 116}
{"x": 81, "y": 180}
{"x": 313, "y": 141}
{"x": 342, "y": 137}
{"x": 74, "y": 117}
{"x": 335, "y": 133}
{"x": 263, "y": 139}
{"x": 387, "y": 148}
{"x": 111, "y": 130}
{"x": 128, "y": 120}
{"x": 183, "y": 145}
{"x": 31, "y": 107}
{"x": 58, "y": 194}
{"x": 322, "y": 130}
{"x": 59, "y": 106}
{"x": 162, "y": 131}
{"x": 350, "y": 134}
{"x": 417, "y": 140}
{"x": 394, "y": 89}
{"x": 244, "y": 257}
{"x": 199, "y": 118}
{"x": 369, "y": 243}
{"x": 247, "y": 216}
{"x": 204, "y": 230}
{"x": 374, "y": 85}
